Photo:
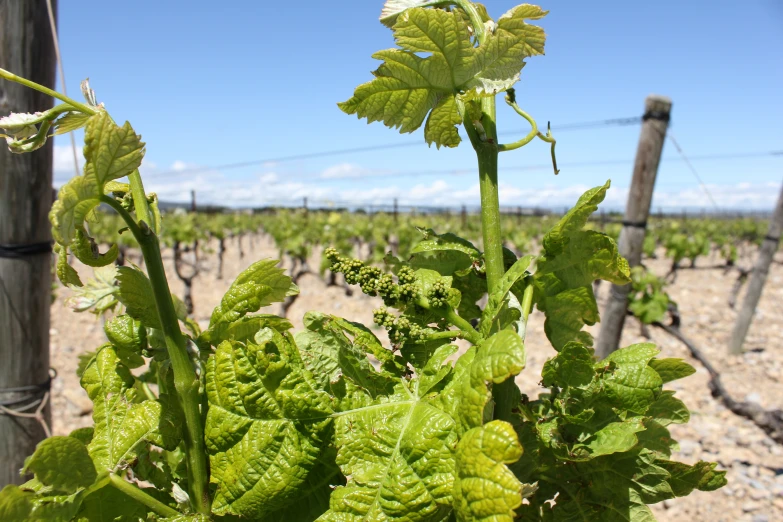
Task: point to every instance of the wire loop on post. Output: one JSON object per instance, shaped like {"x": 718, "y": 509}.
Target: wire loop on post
{"x": 34, "y": 396}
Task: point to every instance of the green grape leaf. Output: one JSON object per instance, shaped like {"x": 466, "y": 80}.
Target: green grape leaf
{"x": 633, "y": 385}
{"x": 566, "y": 311}
{"x": 625, "y": 483}
{"x": 441, "y": 126}
{"x": 34, "y": 502}
{"x": 684, "y": 478}
{"x": 266, "y": 427}
{"x": 122, "y": 424}
{"x": 571, "y": 367}
{"x": 98, "y": 294}
{"x": 615, "y": 437}
{"x": 328, "y": 354}
{"x": 572, "y": 260}
{"x": 62, "y": 463}
{"x": 86, "y": 250}
{"x": 493, "y": 360}
{"x": 244, "y": 329}
{"x": 261, "y": 284}
{"x": 109, "y": 503}
{"x": 129, "y": 338}
{"x": 65, "y": 272}
{"x": 393, "y": 8}
{"x": 112, "y": 152}
{"x": 656, "y": 438}
{"x": 498, "y": 298}
{"x": 574, "y": 220}
{"x": 397, "y": 457}
{"x": 530, "y": 37}
{"x": 435, "y": 370}
{"x": 485, "y": 489}
{"x": 70, "y": 121}
{"x": 588, "y": 256}
{"x": 434, "y": 242}
{"x": 672, "y": 369}
{"x": 667, "y": 409}
{"x": 136, "y": 295}
{"x": 15, "y": 504}
{"x": 408, "y": 88}
{"x": 84, "y": 435}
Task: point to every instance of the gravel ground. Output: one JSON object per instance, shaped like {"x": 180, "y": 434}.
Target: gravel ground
{"x": 753, "y": 461}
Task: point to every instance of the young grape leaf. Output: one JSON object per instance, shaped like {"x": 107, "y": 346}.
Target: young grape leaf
{"x": 572, "y": 367}
{"x": 122, "y": 423}
{"x": 33, "y": 502}
{"x": 129, "y": 338}
{"x": 112, "y": 152}
{"x": 243, "y": 329}
{"x": 397, "y": 456}
{"x": 684, "y": 478}
{"x": 261, "y": 284}
{"x": 494, "y": 360}
{"x": 328, "y": 354}
{"x": 672, "y": 369}
{"x": 572, "y": 260}
{"x": 408, "y": 88}
{"x": 633, "y": 385}
{"x": 667, "y": 409}
{"x": 485, "y": 489}
{"x": 109, "y": 503}
{"x": 62, "y": 463}
{"x": 65, "y": 272}
{"x": 98, "y": 294}
{"x": 86, "y": 250}
{"x": 137, "y": 296}
{"x": 498, "y": 298}
{"x": 266, "y": 426}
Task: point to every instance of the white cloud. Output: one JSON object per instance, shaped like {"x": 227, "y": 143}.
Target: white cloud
{"x": 63, "y": 161}
{"x": 350, "y": 171}
{"x": 343, "y": 170}
{"x": 269, "y": 187}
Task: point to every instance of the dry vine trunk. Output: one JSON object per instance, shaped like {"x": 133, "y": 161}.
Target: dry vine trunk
{"x": 26, "y": 49}
{"x": 771, "y": 421}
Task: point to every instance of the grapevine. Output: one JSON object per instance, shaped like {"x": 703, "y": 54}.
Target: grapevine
{"x": 247, "y": 420}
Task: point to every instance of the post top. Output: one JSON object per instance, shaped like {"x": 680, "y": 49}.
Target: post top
{"x": 657, "y": 102}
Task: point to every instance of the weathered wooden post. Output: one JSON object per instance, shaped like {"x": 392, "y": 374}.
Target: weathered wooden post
{"x": 192, "y": 200}
{"x": 395, "y": 210}
{"x": 758, "y": 278}
{"x": 26, "y": 49}
{"x": 648, "y": 155}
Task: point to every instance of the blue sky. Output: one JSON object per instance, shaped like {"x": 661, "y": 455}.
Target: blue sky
{"x": 215, "y": 83}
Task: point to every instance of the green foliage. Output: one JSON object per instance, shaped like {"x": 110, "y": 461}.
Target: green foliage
{"x": 648, "y": 300}
{"x": 598, "y": 440}
{"x": 247, "y": 421}
{"x": 407, "y": 88}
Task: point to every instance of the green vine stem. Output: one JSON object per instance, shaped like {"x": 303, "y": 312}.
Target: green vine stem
{"x": 448, "y": 313}
{"x": 40, "y": 88}
{"x": 140, "y": 496}
{"x": 186, "y": 381}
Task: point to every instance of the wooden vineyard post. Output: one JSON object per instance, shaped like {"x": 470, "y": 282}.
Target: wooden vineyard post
{"x": 648, "y": 155}
{"x": 192, "y": 200}
{"x": 26, "y": 49}
{"x": 758, "y": 278}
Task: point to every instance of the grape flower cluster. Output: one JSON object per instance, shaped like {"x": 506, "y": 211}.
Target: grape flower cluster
{"x": 400, "y": 294}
